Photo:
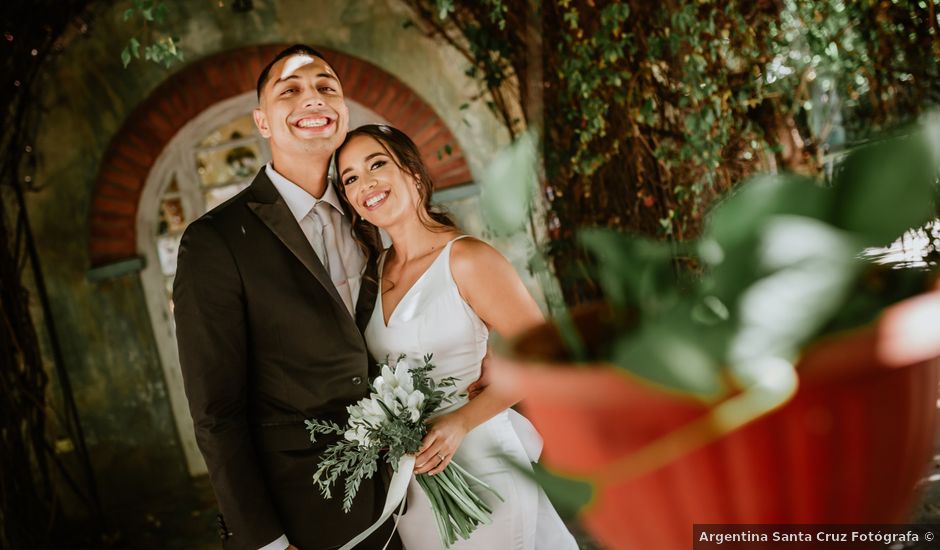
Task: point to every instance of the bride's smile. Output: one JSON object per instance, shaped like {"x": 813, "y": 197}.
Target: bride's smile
{"x": 375, "y": 200}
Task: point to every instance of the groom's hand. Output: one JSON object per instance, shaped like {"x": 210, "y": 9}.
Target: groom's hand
{"x": 292, "y": 547}
{"x": 475, "y": 388}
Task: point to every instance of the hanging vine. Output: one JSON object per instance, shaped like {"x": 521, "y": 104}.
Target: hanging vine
{"x": 32, "y": 475}
{"x": 653, "y": 111}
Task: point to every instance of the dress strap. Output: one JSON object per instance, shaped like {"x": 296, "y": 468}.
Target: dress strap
{"x": 446, "y": 251}
{"x": 457, "y": 238}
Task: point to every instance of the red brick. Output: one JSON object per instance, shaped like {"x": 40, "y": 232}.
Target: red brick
{"x": 113, "y": 231}
{"x": 115, "y": 191}
{"x": 157, "y": 123}
{"x": 130, "y": 182}
{"x": 104, "y": 204}
{"x": 455, "y": 178}
{"x": 340, "y": 64}
{"x": 231, "y": 71}
{"x": 253, "y": 64}
{"x": 123, "y": 164}
{"x": 387, "y": 99}
{"x": 352, "y": 80}
{"x": 181, "y": 107}
{"x": 378, "y": 84}
{"x": 448, "y": 163}
{"x": 433, "y": 135}
{"x": 245, "y": 79}
{"x": 416, "y": 117}
{"x": 130, "y": 158}
{"x": 454, "y": 169}
{"x": 193, "y": 92}
{"x": 393, "y": 112}
{"x": 142, "y": 141}
{"x": 213, "y": 73}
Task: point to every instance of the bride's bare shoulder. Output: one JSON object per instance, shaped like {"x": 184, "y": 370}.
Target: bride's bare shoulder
{"x": 473, "y": 258}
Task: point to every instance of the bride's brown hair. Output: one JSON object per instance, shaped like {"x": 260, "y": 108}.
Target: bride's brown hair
{"x": 404, "y": 153}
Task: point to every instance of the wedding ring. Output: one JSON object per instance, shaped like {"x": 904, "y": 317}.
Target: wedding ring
{"x": 442, "y": 457}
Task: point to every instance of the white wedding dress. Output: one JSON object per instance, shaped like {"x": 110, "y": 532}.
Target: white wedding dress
{"x": 433, "y": 318}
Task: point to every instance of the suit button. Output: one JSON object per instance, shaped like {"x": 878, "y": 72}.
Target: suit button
{"x": 356, "y": 380}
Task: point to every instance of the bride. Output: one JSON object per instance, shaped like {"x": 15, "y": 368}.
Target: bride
{"x": 440, "y": 292}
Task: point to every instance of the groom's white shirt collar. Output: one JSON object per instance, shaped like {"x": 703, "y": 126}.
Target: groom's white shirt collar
{"x": 299, "y": 201}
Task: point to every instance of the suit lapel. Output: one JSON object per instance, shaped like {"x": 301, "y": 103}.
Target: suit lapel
{"x": 270, "y": 207}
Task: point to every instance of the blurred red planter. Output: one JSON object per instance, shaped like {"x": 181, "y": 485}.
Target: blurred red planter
{"x": 849, "y": 447}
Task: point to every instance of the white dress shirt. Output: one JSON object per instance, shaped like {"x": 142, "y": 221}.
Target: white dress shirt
{"x": 301, "y": 202}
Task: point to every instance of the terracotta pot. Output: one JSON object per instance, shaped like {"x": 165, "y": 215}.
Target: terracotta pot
{"x": 848, "y": 447}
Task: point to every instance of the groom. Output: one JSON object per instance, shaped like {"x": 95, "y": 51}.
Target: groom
{"x": 271, "y": 296}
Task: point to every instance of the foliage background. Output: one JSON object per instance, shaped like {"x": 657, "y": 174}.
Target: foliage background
{"x": 650, "y": 111}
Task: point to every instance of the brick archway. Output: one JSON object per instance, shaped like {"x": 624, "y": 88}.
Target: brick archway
{"x": 184, "y": 95}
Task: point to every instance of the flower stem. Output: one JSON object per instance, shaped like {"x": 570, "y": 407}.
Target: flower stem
{"x": 474, "y": 479}
{"x": 437, "y": 505}
{"x": 462, "y": 500}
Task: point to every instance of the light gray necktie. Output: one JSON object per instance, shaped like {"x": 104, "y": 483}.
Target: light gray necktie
{"x": 327, "y": 248}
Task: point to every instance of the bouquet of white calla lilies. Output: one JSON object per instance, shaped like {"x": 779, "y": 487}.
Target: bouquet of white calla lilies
{"x": 389, "y": 424}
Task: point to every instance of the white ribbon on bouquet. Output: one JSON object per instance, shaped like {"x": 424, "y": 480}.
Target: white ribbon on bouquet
{"x": 397, "y": 490}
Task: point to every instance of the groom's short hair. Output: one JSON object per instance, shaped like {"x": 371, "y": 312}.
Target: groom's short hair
{"x": 287, "y": 52}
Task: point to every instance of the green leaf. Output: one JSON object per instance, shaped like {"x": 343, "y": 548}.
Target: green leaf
{"x": 887, "y": 188}
{"x": 128, "y": 13}
{"x": 507, "y": 187}
{"x": 809, "y": 268}
{"x": 134, "y": 48}
{"x": 738, "y": 217}
{"x": 568, "y": 495}
{"x": 125, "y": 57}
{"x": 633, "y": 271}
{"x": 159, "y": 13}
{"x": 672, "y": 354}
{"x": 444, "y": 7}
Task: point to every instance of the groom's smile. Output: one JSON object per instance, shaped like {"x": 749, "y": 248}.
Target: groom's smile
{"x": 319, "y": 123}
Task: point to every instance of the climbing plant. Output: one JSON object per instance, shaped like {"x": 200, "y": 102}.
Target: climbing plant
{"x": 43, "y": 457}
{"x": 652, "y": 111}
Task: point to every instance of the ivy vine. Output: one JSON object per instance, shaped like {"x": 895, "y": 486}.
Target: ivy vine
{"x": 654, "y": 111}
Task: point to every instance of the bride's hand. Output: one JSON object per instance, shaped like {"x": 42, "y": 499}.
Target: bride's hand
{"x": 440, "y": 444}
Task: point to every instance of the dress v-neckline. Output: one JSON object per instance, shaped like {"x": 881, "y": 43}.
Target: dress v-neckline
{"x": 407, "y": 293}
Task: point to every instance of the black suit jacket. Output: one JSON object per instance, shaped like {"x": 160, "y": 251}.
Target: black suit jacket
{"x": 264, "y": 343}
